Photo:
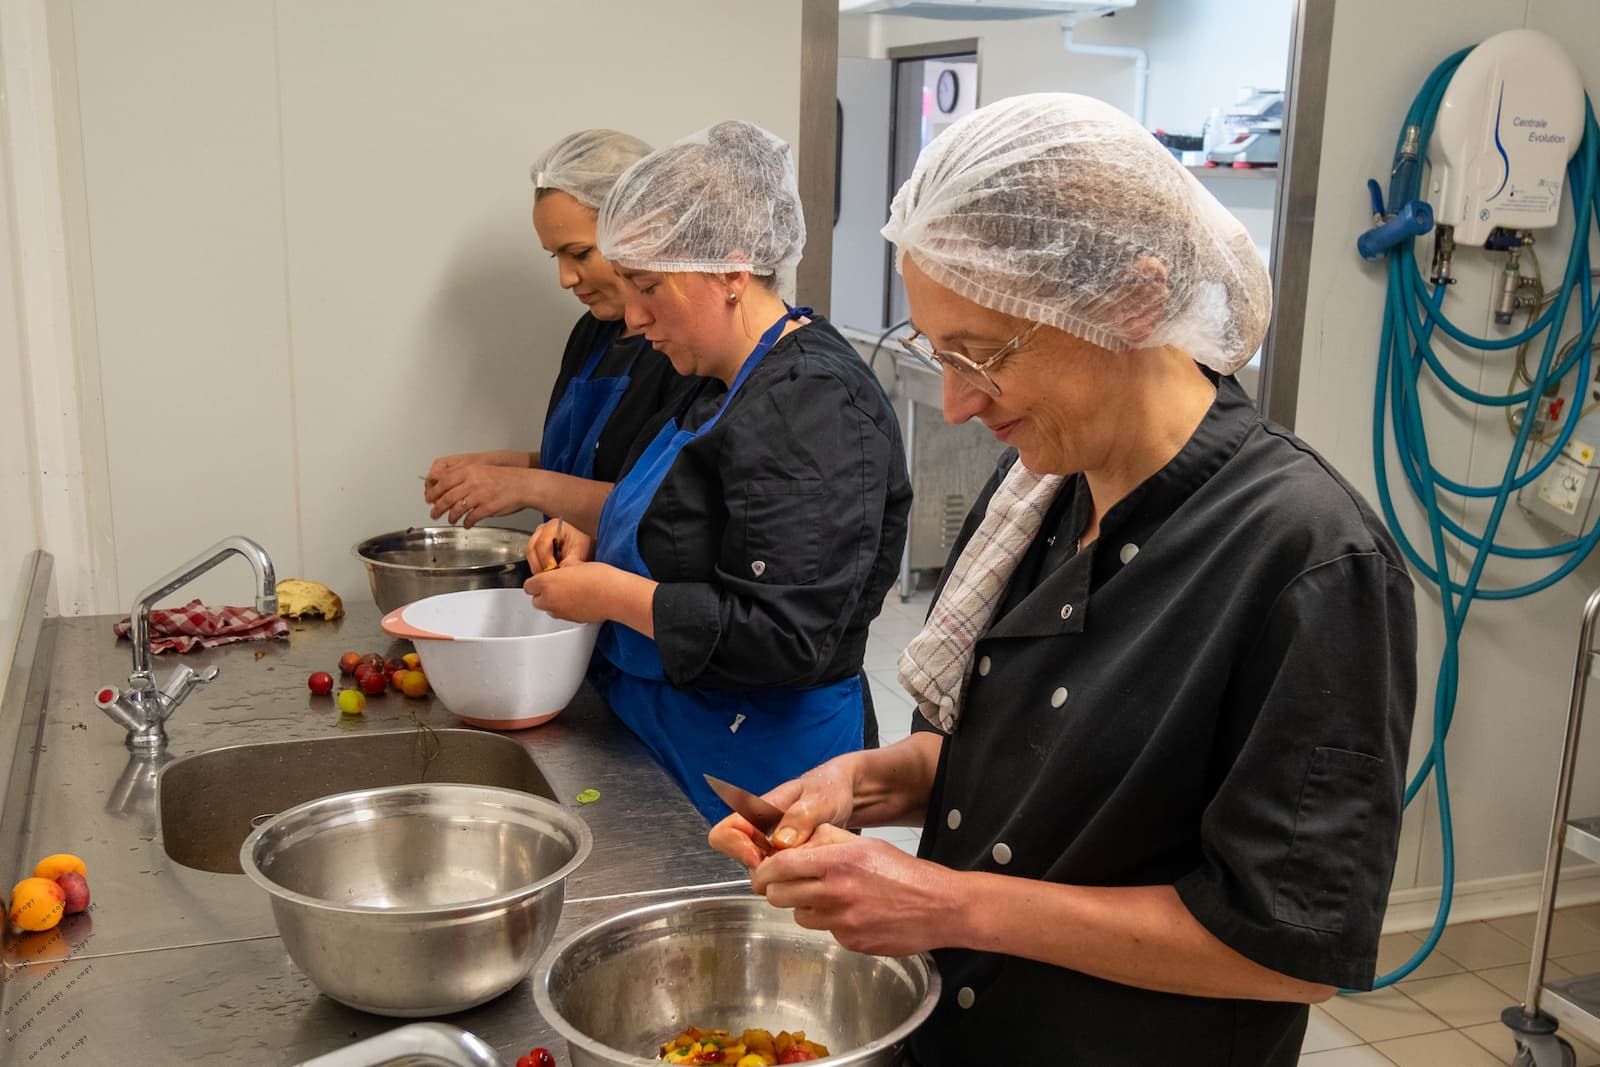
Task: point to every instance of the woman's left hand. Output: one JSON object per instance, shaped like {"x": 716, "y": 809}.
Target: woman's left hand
{"x": 577, "y": 592}
{"x": 870, "y": 895}
{"x": 476, "y": 491}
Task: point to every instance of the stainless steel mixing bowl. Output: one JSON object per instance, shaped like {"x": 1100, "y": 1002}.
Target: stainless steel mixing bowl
{"x": 417, "y": 900}
{"x": 621, "y": 988}
{"x": 407, "y": 565}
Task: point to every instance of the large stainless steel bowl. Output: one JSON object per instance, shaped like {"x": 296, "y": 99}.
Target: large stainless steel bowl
{"x": 417, "y": 900}
{"x": 407, "y": 565}
{"x": 621, "y": 988}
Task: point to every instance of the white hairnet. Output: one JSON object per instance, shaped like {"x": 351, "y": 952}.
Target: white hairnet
{"x": 585, "y": 165}
{"x": 724, "y": 199}
{"x": 1060, "y": 209}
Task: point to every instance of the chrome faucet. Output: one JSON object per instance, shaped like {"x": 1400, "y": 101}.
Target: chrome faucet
{"x": 143, "y": 709}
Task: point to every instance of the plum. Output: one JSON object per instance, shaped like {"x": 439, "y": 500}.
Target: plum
{"x": 76, "y": 887}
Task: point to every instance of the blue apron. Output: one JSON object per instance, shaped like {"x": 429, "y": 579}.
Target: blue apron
{"x": 572, "y": 428}
{"x": 756, "y": 738}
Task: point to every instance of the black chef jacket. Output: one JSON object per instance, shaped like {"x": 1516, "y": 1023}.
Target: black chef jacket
{"x": 804, "y": 475}
{"x": 1215, "y": 694}
{"x": 654, "y": 388}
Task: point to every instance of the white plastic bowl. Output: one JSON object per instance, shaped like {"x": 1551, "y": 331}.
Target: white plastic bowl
{"x": 494, "y": 659}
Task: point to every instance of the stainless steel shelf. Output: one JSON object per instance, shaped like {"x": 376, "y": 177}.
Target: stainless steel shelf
{"x": 1232, "y": 173}
{"x": 1583, "y": 837}
{"x": 1575, "y": 1004}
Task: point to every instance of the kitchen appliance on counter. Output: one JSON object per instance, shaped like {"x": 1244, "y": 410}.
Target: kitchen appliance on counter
{"x": 1252, "y": 132}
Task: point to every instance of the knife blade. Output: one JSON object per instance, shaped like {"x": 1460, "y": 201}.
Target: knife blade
{"x": 761, "y": 814}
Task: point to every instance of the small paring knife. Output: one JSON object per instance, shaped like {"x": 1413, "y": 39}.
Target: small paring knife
{"x": 764, "y": 816}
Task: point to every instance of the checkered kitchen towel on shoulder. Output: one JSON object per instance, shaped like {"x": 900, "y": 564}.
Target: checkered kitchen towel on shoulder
{"x": 935, "y": 667}
{"x": 196, "y": 626}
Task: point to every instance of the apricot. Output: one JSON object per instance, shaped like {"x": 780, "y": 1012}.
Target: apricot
{"x": 414, "y": 684}
{"x": 37, "y": 904}
{"x": 53, "y": 867}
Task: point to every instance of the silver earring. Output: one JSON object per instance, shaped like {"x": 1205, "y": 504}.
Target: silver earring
{"x": 733, "y": 298}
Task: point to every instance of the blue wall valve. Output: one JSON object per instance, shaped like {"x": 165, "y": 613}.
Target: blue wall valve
{"x": 1414, "y": 220}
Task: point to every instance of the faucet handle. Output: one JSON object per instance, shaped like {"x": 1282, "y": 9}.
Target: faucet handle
{"x": 185, "y": 678}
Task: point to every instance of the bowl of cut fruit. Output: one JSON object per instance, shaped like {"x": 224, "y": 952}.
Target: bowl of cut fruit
{"x": 727, "y": 980}
{"x": 494, "y": 659}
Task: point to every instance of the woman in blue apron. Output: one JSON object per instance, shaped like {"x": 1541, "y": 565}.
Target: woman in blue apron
{"x": 611, "y": 386}
{"x": 751, "y": 540}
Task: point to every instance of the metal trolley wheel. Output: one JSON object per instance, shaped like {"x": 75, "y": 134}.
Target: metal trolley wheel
{"x": 1544, "y": 1050}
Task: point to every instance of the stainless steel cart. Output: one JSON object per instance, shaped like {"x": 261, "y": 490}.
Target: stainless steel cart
{"x": 1572, "y": 1002}
{"x": 949, "y": 467}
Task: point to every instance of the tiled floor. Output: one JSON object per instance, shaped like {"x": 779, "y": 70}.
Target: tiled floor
{"x": 1445, "y": 1014}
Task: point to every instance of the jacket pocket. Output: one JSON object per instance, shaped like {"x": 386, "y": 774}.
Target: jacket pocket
{"x": 776, "y": 532}
{"x": 1330, "y": 828}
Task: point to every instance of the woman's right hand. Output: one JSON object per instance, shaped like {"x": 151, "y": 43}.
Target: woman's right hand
{"x": 446, "y": 471}
{"x": 823, "y": 795}
{"x": 558, "y": 543}
{"x": 434, "y": 482}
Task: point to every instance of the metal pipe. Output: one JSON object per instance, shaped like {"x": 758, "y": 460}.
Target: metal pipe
{"x": 1141, "y": 62}
{"x": 266, "y": 594}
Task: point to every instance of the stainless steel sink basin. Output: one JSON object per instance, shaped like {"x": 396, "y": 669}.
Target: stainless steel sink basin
{"x": 211, "y": 801}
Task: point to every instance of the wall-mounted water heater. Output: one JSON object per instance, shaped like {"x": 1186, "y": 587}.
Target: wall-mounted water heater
{"x": 1509, "y": 121}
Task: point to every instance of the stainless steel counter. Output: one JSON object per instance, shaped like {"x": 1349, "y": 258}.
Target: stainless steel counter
{"x": 174, "y": 965}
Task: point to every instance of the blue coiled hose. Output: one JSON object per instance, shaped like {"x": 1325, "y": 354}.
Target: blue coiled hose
{"x": 1411, "y": 315}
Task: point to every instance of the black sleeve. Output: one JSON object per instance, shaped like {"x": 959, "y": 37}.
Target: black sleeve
{"x": 806, "y": 473}
{"x": 1299, "y": 839}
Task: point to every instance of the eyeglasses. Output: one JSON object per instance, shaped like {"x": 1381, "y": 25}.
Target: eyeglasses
{"x": 971, "y": 371}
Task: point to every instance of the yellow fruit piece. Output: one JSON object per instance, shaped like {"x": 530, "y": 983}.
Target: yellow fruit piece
{"x": 414, "y": 684}
{"x": 298, "y": 598}
{"x": 352, "y": 702}
{"x": 37, "y": 904}
{"x": 53, "y": 867}
{"x": 411, "y": 660}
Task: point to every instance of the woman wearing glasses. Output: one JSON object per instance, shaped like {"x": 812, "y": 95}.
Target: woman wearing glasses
{"x": 1168, "y": 679}
{"x": 743, "y": 552}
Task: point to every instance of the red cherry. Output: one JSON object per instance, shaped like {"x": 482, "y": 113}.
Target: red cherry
{"x": 373, "y": 683}
{"x": 320, "y": 683}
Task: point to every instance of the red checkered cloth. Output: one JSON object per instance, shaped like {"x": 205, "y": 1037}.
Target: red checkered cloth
{"x": 196, "y": 626}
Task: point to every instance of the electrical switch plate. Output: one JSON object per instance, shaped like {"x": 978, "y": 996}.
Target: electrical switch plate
{"x": 1563, "y": 496}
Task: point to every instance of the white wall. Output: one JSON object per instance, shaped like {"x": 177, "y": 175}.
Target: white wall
{"x": 22, "y": 60}
{"x": 1517, "y": 657}
{"x": 301, "y": 230}
{"x": 1201, "y": 53}
{"x": 19, "y": 486}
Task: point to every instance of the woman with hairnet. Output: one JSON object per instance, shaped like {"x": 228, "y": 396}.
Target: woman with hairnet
{"x": 611, "y": 386}
{"x": 739, "y": 559}
{"x": 1167, "y": 682}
